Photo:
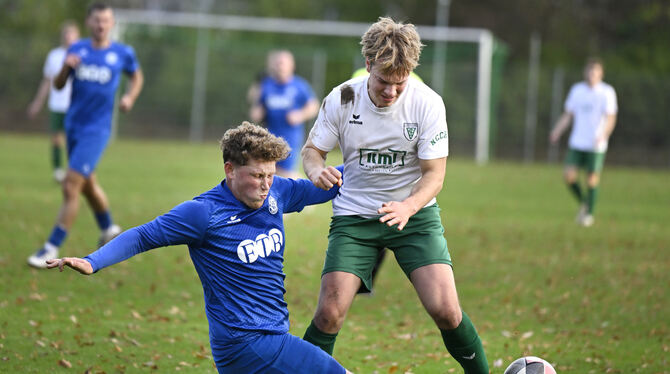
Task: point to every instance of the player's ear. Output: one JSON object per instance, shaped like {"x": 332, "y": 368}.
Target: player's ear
{"x": 229, "y": 168}
{"x": 368, "y": 65}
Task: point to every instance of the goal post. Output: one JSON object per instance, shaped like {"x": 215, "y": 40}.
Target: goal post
{"x": 481, "y": 37}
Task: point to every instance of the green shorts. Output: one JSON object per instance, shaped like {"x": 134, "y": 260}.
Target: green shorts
{"x": 56, "y": 122}
{"x": 354, "y": 243}
{"x": 592, "y": 162}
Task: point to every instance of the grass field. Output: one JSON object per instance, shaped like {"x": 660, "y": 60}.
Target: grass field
{"x": 588, "y": 300}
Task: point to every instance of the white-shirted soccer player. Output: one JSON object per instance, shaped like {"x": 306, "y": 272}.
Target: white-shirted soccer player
{"x": 393, "y": 135}
{"x": 235, "y": 235}
{"x": 59, "y": 100}
{"x": 95, "y": 66}
{"x": 592, "y": 107}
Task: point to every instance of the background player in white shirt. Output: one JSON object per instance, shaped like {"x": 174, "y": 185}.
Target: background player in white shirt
{"x": 59, "y": 100}
{"x": 392, "y": 131}
{"x": 592, "y": 106}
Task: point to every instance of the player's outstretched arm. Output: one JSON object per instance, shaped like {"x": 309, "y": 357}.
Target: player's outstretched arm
{"x": 78, "y": 264}
{"x": 428, "y": 186}
{"x": 561, "y": 125}
{"x": 314, "y": 164}
{"x": 135, "y": 85}
{"x": 36, "y": 105}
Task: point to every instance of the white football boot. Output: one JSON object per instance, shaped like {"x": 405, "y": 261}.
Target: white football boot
{"x": 107, "y": 235}
{"x": 39, "y": 258}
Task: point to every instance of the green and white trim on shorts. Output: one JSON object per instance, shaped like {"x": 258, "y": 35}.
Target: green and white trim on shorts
{"x": 592, "y": 162}
{"x": 354, "y": 243}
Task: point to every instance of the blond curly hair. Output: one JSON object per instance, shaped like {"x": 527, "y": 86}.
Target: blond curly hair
{"x": 393, "y": 46}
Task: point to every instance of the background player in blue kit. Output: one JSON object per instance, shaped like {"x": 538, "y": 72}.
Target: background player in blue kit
{"x": 286, "y": 101}
{"x": 235, "y": 235}
{"x": 95, "y": 65}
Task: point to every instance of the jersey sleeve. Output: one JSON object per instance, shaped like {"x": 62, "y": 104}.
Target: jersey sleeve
{"x": 130, "y": 63}
{"x": 571, "y": 100}
{"x": 325, "y": 133}
{"x": 184, "y": 224}
{"x": 306, "y": 93}
{"x": 611, "y": 106}
{"x": 434, "y": 135}
{"x": 51, "y": 67}
{"x": 298, "y": 193}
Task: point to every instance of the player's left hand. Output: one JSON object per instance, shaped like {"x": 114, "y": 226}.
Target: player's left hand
{"x": 396, "y": 213}
{"x": 126, "y": 103}
{"x": 78, "y": 264}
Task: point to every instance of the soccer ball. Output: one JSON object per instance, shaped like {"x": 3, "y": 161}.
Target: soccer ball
{"x": 530, "y": 365}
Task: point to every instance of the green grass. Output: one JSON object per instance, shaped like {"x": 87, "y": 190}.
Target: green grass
{"x": 588, "y": 300}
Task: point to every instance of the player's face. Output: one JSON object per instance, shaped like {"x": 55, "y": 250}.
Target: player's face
{"x": 283, "y": 67}
{"x": 384, "y": 89}
{"x": 250, "y": 183}
{"x": 593, "y": 73}
{"x": 100, "y": 22}
{"x": 70, "y": 35}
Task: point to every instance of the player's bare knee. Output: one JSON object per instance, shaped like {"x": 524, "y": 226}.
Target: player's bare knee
{"x": 71, "y": 188}
{"x": 329, "y": 319}
{"x": 447, "y": 318}
{"x": 593, "y": 180}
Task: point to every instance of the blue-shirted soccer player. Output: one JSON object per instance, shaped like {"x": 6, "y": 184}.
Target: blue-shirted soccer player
{"x": 286, "y": 101}
{"x": 95, "y": 65}
{"x": 235, "y": 235}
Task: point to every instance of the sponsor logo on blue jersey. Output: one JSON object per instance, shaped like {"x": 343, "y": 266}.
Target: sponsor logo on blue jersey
{"x": 94, "y": 73}
{"x": 263, "y": 246}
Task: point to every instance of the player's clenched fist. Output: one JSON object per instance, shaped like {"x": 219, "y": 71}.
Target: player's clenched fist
{"x": 327, "y": 178}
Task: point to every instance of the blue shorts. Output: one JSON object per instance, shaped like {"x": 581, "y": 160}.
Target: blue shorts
{"x": 273, "y": 354}
{"x": 84, "y": 150}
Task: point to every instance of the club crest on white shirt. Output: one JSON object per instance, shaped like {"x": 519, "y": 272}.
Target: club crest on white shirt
{"x": 409, "y": 130}
{"x": 272, "y": 205}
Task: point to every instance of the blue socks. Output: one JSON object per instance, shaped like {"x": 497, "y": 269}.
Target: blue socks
{"x": 57, "y": 236}
{"x": 104, "y": 220}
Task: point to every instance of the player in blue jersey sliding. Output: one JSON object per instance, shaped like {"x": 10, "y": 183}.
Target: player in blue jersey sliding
{"x": 285, "y": 102}
{"x": 235, "y": 235}
{"x": 95, "y": 65}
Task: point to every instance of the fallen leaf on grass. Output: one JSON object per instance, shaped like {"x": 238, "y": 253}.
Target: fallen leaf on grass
{"x": 526, "y": 335}
{"x": 64, "y": 363}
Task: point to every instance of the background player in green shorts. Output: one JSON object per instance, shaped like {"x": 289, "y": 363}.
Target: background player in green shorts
{"x": 393, "y": 134}
{"x": 592, "y": 106}
{"x": 59, "y": 100}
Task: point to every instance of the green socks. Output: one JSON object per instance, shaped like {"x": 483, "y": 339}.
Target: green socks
{"x": 591, "y": 198}
{"x": 464, "y": 345}
{"x": 574, "y": 188}
{"x": 319, "y": 338}
{"x": 56, "y": 156}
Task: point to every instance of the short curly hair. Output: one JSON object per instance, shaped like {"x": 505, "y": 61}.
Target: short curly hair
{"x": 251, "y": 142}
{"x": 393, "y": 46}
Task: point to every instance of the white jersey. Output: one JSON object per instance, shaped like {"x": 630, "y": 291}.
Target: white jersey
{"x": 59, "y": 100}
{"x": 590, "y": 107}
{"x": 381, "y": 147}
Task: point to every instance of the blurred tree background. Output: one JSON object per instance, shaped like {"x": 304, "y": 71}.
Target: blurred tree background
{"x": 630, "y": 36}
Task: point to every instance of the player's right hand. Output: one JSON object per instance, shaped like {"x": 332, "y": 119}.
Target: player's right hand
{"x": 78, "y": 264}
{"x": 72, "y": 60}
{"x": 327, "y": 178}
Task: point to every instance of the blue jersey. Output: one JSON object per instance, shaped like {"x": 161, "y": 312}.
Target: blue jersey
{"x": 237, "y": 251}
{"x": 94, "y": 84}
{"x": 280, "y": 98}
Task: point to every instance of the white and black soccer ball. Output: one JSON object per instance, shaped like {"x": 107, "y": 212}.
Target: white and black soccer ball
{"x": 530, "y": 365}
